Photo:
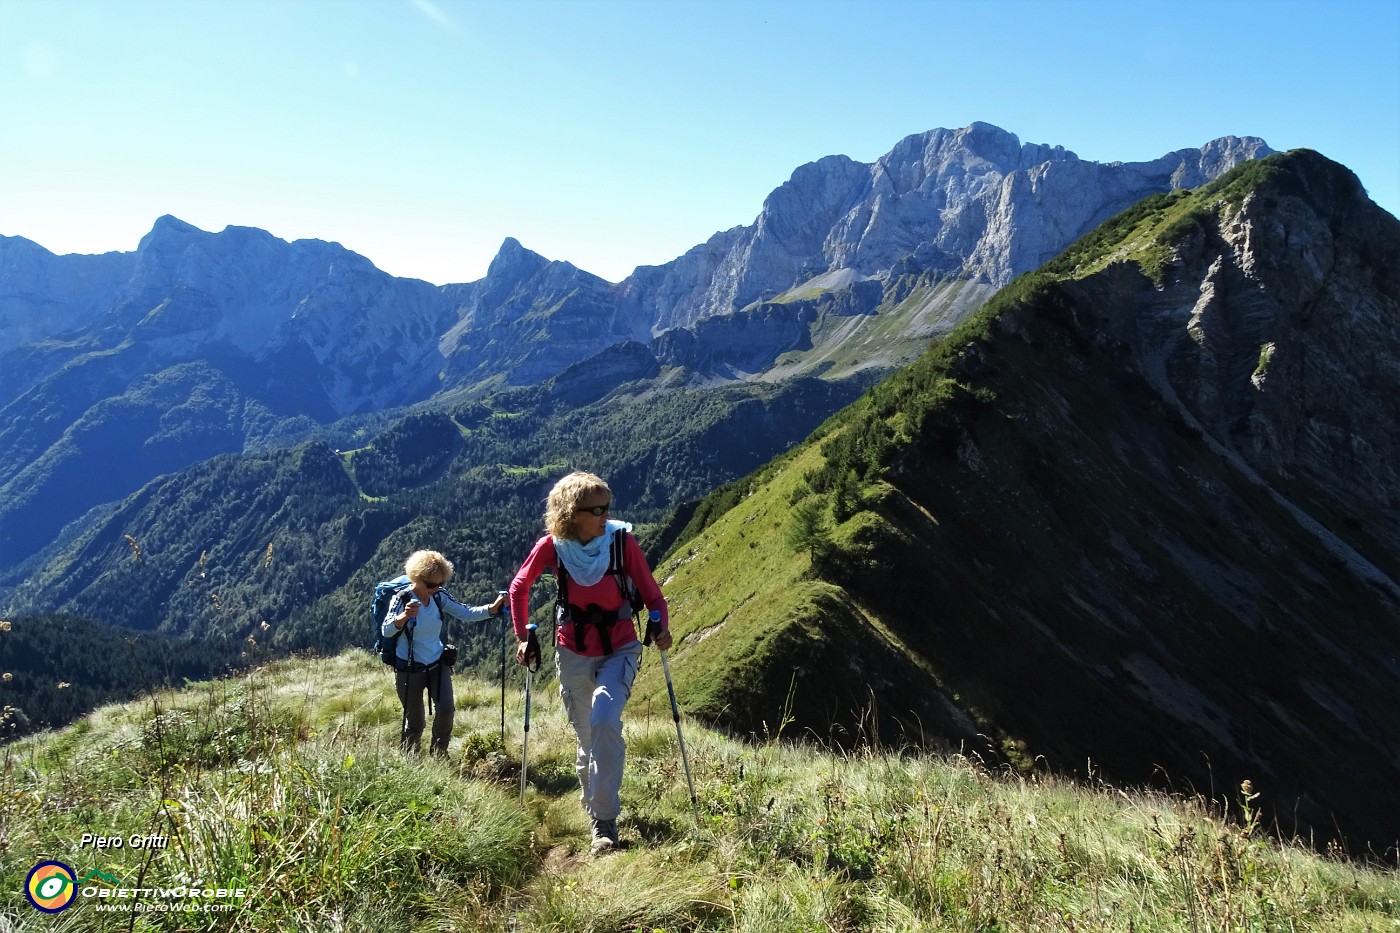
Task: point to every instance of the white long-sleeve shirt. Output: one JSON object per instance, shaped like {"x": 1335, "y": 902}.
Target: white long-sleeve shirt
{"x": 423, "y": 633}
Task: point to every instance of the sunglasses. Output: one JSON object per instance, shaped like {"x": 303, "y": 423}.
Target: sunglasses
{"x": 432, "y": 586}
{"x": 598, "y": 510}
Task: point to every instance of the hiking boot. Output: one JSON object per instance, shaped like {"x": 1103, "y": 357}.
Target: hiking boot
{"x": 604, "y": 836}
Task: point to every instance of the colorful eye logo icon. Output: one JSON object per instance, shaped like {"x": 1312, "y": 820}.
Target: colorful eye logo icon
{"x": 51, "y": 886}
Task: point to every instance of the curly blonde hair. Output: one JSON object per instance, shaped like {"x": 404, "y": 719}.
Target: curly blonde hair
{"x": 565, "y": 498}
{"x": 428, "y": 567}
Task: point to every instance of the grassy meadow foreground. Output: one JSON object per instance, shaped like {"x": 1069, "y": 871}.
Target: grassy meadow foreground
{"x": 286, "y": 783}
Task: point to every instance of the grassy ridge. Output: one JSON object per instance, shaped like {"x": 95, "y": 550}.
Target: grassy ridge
{"x": 747, "y": 612}
{"x": 285, "y": 782}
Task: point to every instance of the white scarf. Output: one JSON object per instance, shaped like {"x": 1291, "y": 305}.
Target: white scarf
{"x": 587, "y": 563}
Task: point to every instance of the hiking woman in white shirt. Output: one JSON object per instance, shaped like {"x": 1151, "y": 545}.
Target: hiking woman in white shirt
{"x": 416, "y": 612}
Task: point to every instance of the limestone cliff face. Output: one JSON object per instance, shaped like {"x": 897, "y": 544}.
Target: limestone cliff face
{"x": 1291, "y": 345}
{"x": 360, "y": 329}
{"x": 973, "y": 202}
{"x": 1276, "y": 337}
{"x": 44, "y": 294}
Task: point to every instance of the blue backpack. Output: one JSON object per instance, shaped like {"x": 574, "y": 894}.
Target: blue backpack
{"x": 384, "y": 593}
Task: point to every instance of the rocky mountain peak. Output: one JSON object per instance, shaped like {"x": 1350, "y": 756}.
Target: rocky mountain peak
{"x": 998, "y": 147}
{"x": 167, "y": 226}
{"x": 1196, "y": 167}
{"x": 514, "y": 262}
{"x": 160, "y": 250}
{"x": 974, "y": 201}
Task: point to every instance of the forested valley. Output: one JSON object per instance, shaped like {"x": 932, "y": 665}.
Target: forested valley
{"x": 247, "y": 556}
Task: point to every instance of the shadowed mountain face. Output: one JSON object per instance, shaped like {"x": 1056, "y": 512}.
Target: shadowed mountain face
{"x": 1140, "y": 514}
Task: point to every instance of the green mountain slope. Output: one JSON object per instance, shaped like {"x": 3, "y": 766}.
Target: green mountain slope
{"x": 1136, "y": 517}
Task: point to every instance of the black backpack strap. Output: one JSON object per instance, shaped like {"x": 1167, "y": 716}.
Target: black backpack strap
{"x": 442, "y": 633}
{"x": 617, "y": 566}
{"x": 407, "y": 631}
{"x": 616, "y": 553}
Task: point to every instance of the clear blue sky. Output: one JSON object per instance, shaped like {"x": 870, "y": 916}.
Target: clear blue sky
{"x": 421, "y": 133}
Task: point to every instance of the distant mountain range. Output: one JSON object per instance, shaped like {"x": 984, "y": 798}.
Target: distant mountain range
{"x": 123, "y": 367}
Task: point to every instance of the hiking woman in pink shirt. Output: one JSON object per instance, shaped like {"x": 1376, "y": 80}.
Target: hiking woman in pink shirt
{"x": 593, "y": 558}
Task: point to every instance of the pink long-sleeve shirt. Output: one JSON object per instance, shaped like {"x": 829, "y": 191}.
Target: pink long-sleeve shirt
{"x": 605, "y": 594}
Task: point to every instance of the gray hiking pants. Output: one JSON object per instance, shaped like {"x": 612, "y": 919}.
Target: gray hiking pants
{"x": 594, "y": 691}
{"x": 412, "y": 687}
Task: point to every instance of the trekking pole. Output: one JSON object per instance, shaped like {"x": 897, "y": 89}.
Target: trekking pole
{"x": 653, "y": 626}
{"x": 505, "y": 628}
{"x": 532, "y": 652}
